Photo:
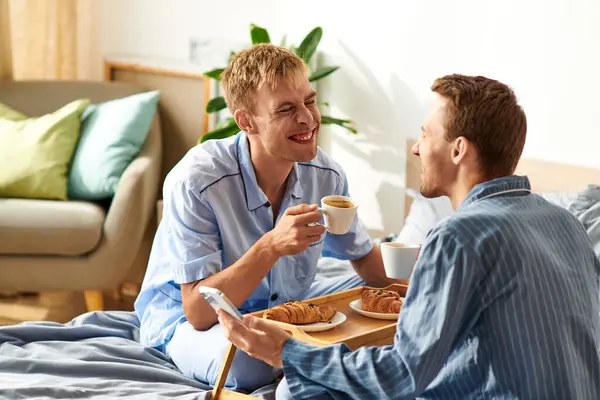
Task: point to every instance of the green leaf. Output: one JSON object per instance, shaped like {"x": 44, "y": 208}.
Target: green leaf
{"x": 221, "y": 133}
{"x": 331, "y": 120}
{"x": 216, "y": 104}
{"x": 231, "y": 54}
{"x": 259, "y": 35}
{"x": 283, "y": 40}
{"x": 215, "y": 73}
{"x": 309, "y": 45}
{"x": 322, "y": 73}
{"x": 344, "y": 123}
{"x": 225, "y": 122}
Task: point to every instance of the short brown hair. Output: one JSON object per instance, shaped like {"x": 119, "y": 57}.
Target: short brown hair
{"x": 486, "y": 113}
{"x": 257, "y": 65}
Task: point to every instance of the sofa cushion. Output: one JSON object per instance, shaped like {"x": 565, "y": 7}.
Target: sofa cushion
{"x": 36, "y": 153}
{"x": 45, "y": 227}
{"x": 112, "y": 134}
{"x": 8, "y": 113}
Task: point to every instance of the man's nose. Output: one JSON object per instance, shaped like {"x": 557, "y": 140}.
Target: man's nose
{"x": 304, "y": 116}
{"x": 415, "y": 148}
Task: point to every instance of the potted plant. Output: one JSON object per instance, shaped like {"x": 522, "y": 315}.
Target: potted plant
{"x": 305, "y": 51}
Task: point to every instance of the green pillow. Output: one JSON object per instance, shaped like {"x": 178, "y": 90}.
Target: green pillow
{"x": 112, "y": 134}
{"x": 8, "y": 113}
{"x": 36, "y": 153}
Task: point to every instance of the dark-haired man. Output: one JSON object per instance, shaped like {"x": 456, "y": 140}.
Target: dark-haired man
{"x": 503, "y": 302}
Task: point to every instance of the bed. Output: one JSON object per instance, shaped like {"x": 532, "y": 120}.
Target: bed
{"x": 98, "y": 355}
{"x": 572, "y": 187}
{"x": 545, "y": 176}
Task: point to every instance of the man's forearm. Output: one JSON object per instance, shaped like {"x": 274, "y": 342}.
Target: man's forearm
{"x": 238, "y": 281}
{"x": 367, "y": 373}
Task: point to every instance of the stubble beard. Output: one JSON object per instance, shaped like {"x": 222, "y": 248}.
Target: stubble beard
{"x": 429, "y": 191}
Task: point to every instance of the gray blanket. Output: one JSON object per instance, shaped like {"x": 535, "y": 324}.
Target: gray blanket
{"x": 96, "y": 355}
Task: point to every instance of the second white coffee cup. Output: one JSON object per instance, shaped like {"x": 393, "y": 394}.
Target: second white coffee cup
{"x": 399, "y": 259}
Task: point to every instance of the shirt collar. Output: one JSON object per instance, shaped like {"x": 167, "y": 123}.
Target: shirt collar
{"x": 294, "y": 185}
{"x": 506, "y": 185}
{"x": 255, "y": 197}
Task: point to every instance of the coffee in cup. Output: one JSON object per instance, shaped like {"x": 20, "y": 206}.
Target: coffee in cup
{"x": 339, "y": 203}
{"x": 338, "y": 213}
{"x": 399, "y": 259}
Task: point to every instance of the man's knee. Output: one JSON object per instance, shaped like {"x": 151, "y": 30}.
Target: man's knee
{"x": 331, "y": 285}
{"x": 283, "y": 393}
{"x": 200, "y": 354}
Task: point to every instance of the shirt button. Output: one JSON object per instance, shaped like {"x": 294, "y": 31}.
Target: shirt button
{"x": 267, "y": 204}
{"x": 274, "y": 296}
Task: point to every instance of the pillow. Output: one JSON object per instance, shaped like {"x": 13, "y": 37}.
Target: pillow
{"x": 112, "y": 134}
{"x": 8, "y": 113}
{"x": 586, "y": 207}
{"x": 561, "y": 199}
{"x": 36, "y": 152}
{"x": 423, "y": 215}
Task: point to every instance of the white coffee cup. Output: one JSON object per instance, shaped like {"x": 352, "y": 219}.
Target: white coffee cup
{"x": 338, "y": 220}
{"x": 399, "y": 259}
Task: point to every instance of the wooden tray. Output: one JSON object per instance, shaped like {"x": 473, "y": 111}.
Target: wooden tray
{"x": 357, "y": 331}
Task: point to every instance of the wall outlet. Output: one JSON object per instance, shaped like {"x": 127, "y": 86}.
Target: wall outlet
{"x": 195, "y": 50}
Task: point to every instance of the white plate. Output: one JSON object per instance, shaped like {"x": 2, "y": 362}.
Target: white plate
{"x": 356, "y": 305}
{"x": 337, "y": 319}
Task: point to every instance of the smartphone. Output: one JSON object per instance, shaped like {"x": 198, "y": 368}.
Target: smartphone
{"x": 217, "y": 299}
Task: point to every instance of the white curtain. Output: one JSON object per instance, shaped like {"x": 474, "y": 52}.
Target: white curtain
{"x": 49, "y": 39}
{"x": 6, "y": 70}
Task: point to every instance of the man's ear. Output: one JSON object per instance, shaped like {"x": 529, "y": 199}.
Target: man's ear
{"x": 244, "y": 121}
{"x": 459, "y": 149}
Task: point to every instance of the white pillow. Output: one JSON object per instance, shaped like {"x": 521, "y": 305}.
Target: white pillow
{"x": 423, "y": 215}
{"x": 561, "y": 199}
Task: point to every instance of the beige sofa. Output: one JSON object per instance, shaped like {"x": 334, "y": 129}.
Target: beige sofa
{"x": 77, "y": 245}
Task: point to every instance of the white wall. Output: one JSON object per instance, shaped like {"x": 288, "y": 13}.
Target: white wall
{"x": 547, "y": 50}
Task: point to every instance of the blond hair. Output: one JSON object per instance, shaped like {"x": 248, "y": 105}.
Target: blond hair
{"x": 258, "y": 65}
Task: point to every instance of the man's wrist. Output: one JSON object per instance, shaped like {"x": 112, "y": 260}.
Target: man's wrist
{"x": 266, "y": 250}
{"x": 285, "y": 343}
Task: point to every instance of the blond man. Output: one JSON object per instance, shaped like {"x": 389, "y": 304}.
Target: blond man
{"x": 239, "y": 216}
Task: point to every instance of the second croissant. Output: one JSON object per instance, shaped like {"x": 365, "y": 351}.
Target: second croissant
{"x": 381, "y": 301}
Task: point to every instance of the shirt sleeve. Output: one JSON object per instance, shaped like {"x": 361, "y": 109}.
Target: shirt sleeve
{"x": 194, "y": 244}
{"x": 353, "y": 245}
{"x": 440, "y": 308}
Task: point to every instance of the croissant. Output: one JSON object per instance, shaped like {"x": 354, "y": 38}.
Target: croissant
{"x": 381, "y": 301}
{"x": 297, "y": 312}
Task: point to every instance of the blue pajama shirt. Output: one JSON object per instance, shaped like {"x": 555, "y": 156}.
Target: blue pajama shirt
{"x": 503, "y": 303}
{"x": 214, "y": 211}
